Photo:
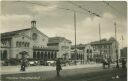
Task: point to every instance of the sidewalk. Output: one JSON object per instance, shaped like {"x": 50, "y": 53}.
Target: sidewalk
{"x": 16, "y": 69}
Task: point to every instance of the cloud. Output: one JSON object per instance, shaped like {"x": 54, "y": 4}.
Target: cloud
{"x": 88, "y": 29}
{"x": 14, "y": 22}
{"x": 39, "y": 9}
{"x": 46, "y": 8}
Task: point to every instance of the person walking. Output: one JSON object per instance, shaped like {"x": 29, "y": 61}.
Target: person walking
{"x": 117, "y": 64}
{"x": 109, "y": 62}
{"x": 23, "y": 65}
{"x": 58, "y": 67}
{"x": 104, "y": 62}
{"x": 123, "y": 64}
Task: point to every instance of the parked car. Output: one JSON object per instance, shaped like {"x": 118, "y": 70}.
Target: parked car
{"x": 51, "y": 63}
{"x": 33, "y": 63}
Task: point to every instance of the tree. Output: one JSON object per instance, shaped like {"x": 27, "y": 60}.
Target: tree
{"x": 104, "y": 39}
{"x": 112, "y": 39}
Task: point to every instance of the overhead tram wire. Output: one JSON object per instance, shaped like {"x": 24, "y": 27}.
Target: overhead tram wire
{"x": 90, "y": 12}
{"x": 117, "y": 56}
{"x": 108, "y": 4}
{"x": 67, "y": 9}
{"x": 116, "y": 10}
{"x": 86, "y": 10}
{"x": 32, "y": 3}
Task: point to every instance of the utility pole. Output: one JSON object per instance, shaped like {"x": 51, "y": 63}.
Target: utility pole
{"x": 99, "y": 32}
{"x": 100, "y": 41}
{"x": 75, "y": 36}
{"x": 116, "y": 50}
{"x": 122, "y": 38}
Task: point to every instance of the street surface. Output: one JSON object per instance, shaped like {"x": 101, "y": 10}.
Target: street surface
{"x": 72, "y": 74}
{"x": 16, "y": 69}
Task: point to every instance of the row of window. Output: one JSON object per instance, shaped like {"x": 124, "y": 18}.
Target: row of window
{"x": 89, "y": 51}
{"x": 77, "y": 56}
{"x": 101, "y": 46}
{"x": 38, "y": 46}
{"x": 3, "y": 55}
{"x": 89, "y": 56}
{"x": 22, "y": 44}
{"x": 105, "y": 51}
{"x": 44, "y": 56}
{"x": 4, "y": 42}
{"x": 99, "y": 56}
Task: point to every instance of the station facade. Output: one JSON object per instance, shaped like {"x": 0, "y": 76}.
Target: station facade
{"x": 32, "y": 42}
{"x": 38, "y": 46}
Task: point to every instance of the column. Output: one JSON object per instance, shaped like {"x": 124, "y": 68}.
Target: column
{"x": 34, "y": 55}
{"x": 1, "y": 55}
{"x": 41, "y": 55}
{"x": 38, "y": 55}
{"x": 46, "y": 56}
{"x": 55, "y": 53}
{"x": 52, "y": 55}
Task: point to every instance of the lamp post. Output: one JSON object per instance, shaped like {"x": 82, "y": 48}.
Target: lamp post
{"x": 116, "y": 50}
{"x": 100, "y": 44}
{"x": 75, "y": 36}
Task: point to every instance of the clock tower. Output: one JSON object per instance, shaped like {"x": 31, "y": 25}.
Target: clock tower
{"x": 33, "y": 30}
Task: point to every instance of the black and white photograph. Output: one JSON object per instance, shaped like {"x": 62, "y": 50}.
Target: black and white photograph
{"x": 63, "y": 40}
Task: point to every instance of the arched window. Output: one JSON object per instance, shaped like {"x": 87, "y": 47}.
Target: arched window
{"x": 1, "y": 55}
{"x": 55, "y": 55}
{"x": 17, "y": 44}
{"x": 22, "y": 44}
{"x": 38, "y": 55}
{"x": 87, "y": 50}
{"x": 52, "y": 56}
{"x": 48, "y": 55}
{"x": 42, "y": 55}
{"x": 34, "y": 55}
{"x": 45, "y": 56}
{"x": 90, "y": 51}
{"x": 5, "y": 54}
{"x": 77, "y": 56}
{"x": 71, "y": 56}
{"x": 28, "y": 44}
{"x": 81, "y": 56}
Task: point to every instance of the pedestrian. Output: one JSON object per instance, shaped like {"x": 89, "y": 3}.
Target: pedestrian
{"x": 123, "y": 63}
{"x": 23, "y": 65}
{"x": 58, "y": 67}
{"x": 117, "y": 64}
{"x": 109, "y": 62}
{"x": 103, "y": 62}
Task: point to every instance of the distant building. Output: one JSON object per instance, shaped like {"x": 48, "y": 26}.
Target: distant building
{"x": 105, "y": 49}
{"x": 83, "y": 53}
{"x": 123, "y": 52}
{"x": 63, "y": 45}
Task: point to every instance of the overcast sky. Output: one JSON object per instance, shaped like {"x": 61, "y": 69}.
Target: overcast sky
{"x": 53, "y": 21}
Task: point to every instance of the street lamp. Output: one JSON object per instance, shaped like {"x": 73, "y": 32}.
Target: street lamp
{"x": 75, "y": 36}
{"x": 116, "y": 51}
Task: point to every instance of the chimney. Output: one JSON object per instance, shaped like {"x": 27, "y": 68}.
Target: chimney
{"x": 33, "y": 24}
